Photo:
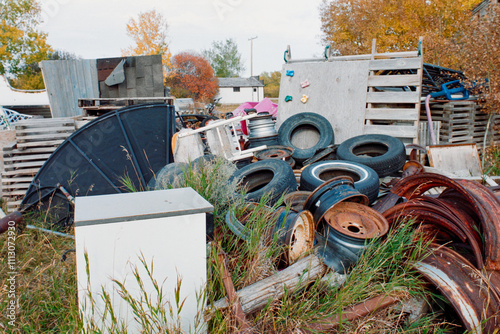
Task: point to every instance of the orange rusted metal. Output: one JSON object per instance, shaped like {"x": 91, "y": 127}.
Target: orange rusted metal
{"x": 466, "y": 288}
{"x": 479, "y": 203}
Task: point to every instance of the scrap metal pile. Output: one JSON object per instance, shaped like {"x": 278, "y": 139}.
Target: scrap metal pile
{"x": 333, "y": 206}
{"x": 337, "y": 198}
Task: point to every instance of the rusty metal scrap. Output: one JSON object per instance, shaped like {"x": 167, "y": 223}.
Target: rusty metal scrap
{"x": 330, "y": 193}
{"x": 437, "y": 219}
{"x": 355, "y": 312}
{"x": 468, "y": 290}
{"x": 479, "y": 203}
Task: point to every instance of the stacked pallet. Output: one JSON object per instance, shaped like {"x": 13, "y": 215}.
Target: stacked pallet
{"x": 36, "y": 140}
{"x": 462, "y": 121}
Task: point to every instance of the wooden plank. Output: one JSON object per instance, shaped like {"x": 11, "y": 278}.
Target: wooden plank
{"x": 401, "y": 131}
{"x": 27, "y": 157}
{"x": 459, "y": 159}
{"x": 69, "y": 129}
{"x": 17, "y": 179}
{"x": 30, "y": 171}
{"x": 66, "y": 81}
{"x": 40, "y": 143}
{"x": 392, "y": 97}
{"x": 395, "y": 64}
{"x": 402, "y": 54}
{"x": 42, "y": 137}
{"x": 29, "y": 151}
{"x": 391, "y": 114}
{"x": 17, "y": 185}
{"x": 9, "y": 193}
{"x": 18, "y": 165}
{"x": 393, "y": 80}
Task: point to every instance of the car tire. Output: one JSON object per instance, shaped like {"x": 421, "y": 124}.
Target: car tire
{"x": 384, "y": 154}
{"x": 366, "y": 180}
{"x": 271, "y": 176}
{"x": 305, "y": 121}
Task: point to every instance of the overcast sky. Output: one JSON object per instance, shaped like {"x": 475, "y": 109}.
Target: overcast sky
{"x": 96, "y": 28}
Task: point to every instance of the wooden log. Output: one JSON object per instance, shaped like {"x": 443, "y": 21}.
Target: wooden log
{"x": 256, "y": 296}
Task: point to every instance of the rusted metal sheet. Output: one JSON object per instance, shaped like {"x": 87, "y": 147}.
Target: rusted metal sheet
{"x": 232, "y": 296}
{"x": 354, "y": 312}
{"x": 11, "y": 220}
{"x": 465, "y": 287}
{"x": 440, "y": 221}
{"x": 477, "y": 198}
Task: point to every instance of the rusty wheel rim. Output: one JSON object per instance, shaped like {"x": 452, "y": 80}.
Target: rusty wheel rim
{"x": 356, "y": 220}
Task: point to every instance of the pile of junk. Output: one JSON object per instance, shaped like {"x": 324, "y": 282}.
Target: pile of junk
{"x": 338, "y": 197}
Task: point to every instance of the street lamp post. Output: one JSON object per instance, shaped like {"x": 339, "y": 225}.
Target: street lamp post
{"x": 251, "y": 54}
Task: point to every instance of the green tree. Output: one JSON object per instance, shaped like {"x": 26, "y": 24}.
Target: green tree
{"x": 349, "y": 26}
{"x": 224, "y": 58}
{"x": 22, "y": 46}
{"x": 149, "y": 33}
{"x": 271, "y": 83}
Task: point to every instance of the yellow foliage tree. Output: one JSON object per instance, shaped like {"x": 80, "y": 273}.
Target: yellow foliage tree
{"x": 479, "y": 54}
{"x": 349, "y": 26}
{"x": 149, "y": 33}
{"x": 22, "y": 46}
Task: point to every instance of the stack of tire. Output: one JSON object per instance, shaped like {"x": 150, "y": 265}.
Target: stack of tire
{"x": 262, "y": 131}
{"x": 364, "y": 158}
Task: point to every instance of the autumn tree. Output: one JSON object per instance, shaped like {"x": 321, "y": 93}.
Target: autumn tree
{"x": 22, "y": 45}
{"x": 479, "y": 54}
{"x": 349, "y": 26}
{"x": 192, "y": 76}
{"x": 32, "y": 73}
{"x": 149, "y": 33}
{"x": 225, "y": 58}
{"x": 271, "y": 83}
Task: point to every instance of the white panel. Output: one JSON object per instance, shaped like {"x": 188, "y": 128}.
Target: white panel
{"x": 173, "y": 245}
{"x": 337, "y": 91}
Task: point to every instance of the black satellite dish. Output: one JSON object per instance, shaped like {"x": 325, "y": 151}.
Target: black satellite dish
{"x": 131, "y": 144}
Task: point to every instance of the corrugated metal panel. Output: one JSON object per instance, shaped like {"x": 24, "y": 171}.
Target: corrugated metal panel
{"x": 67, "y": 81}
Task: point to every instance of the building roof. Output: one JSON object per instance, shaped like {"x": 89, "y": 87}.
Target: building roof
{"x": 240, "y": 82}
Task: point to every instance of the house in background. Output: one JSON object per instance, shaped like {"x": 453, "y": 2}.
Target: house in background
{"x": 239, "y": 90}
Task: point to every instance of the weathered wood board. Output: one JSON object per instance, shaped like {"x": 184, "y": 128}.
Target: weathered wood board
{"x": 459, "y": 159}
{"x": 337, "y": 91}
{"x": 67, "y": 81}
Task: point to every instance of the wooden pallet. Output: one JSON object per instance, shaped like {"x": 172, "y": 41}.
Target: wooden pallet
{"x": 393, "y": 98}
{"x": 464, "y": 122}
{"x": 36, "y": 140}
